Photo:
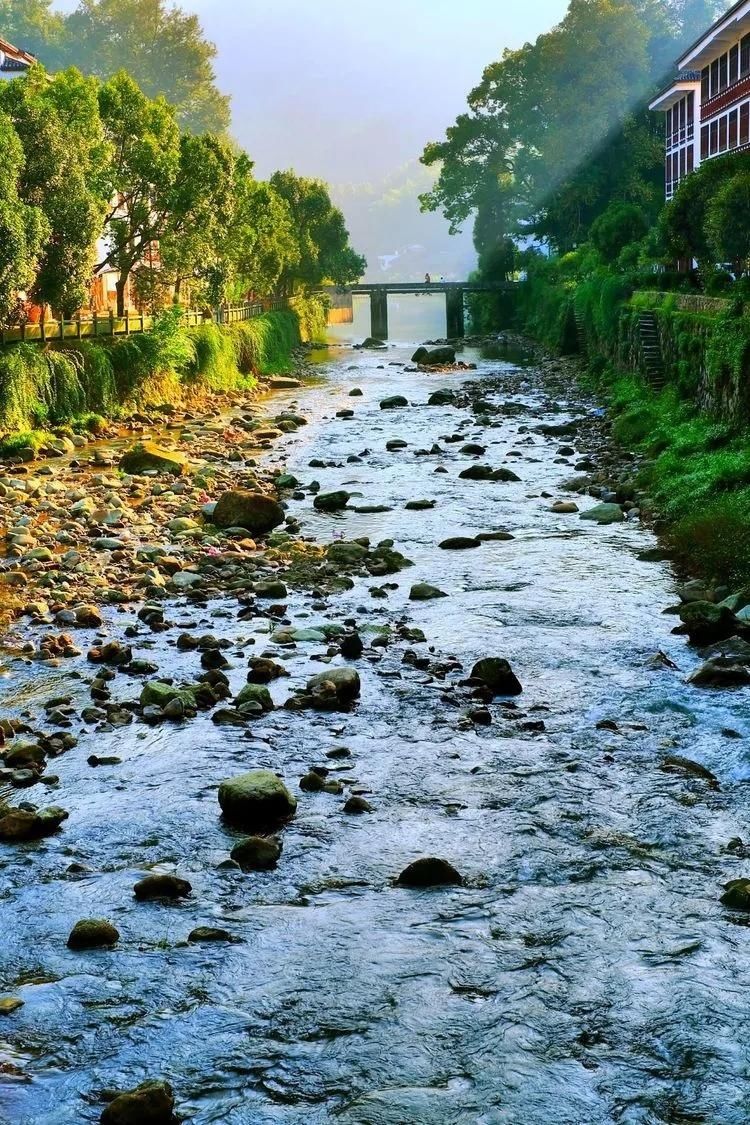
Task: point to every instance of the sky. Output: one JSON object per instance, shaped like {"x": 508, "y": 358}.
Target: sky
{"x": 352, "y": 92}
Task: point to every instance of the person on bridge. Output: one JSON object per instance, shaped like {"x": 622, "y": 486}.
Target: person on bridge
{"x": 427, "y": 279}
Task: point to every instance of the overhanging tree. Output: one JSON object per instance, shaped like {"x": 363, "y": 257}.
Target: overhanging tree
{"x": 22, "y": 228}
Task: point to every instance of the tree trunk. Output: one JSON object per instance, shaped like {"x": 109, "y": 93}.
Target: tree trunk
{"x": 122, "y": 282}
{"x": 177, "y": 291}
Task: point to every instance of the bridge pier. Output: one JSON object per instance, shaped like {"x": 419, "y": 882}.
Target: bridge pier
{"x": 379, "y": 313}
{"x": 454, "y": 314}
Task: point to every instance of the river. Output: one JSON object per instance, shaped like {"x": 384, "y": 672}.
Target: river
{"x": 584, "y": 972}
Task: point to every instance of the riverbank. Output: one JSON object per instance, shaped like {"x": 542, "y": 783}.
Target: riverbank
{"x": 577, "y": 933}
{"x": 686, "y": 420}
{"x": 49, "y": 393}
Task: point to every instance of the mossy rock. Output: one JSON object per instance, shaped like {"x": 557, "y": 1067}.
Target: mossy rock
{"x": 253, "y": 511}
{"x": 256, "y": 800}
{"x": 147, "y": 457}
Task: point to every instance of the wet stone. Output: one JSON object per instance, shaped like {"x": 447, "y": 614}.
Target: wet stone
{"x": 93, "y": 933}
{"x": 429, "y": 872}
{"x": 151, "y": 1103}
{"x": 161, "y": 887}
{"x": 257, "y": 853}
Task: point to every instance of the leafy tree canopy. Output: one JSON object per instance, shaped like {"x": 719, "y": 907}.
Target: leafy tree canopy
{"x": 322, "y": 250}
{"x": 162, "y": 48}
{"x": 559, "y": 128}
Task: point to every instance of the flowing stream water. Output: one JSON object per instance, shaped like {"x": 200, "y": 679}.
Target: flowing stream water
{"x": 585, "y": 972}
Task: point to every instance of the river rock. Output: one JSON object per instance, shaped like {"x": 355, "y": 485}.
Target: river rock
{"x": 373, "y": 343}
{"x": 92, "y": 933}
{"x": 442, "y": 397}
{"x": 331, "y": 501}
{"x": 273, "y": 589}
{"x": 736, "y": 894}
{"x": 392, "y": 402}
{"x": 355, "y": 806}
{"x": 207, "y": 934}
{"x": 257, "y": 853}
{"x": 424, "y": 592}
{"x": 254, "y": 511}
{"x": 255, "y": 693}
{"x": 256, "y": 800}
{"x": 438, "y": 357}
{"x": 345, "y": 680}
{"x": 719, "y": 673}
{"x": 18, "y": 825}
{"x": 158, "y": 694}
{"x": 604, "y": 514}
{"x": 429, "y": 872}
{"x": 161, "y": 886}
{"x": 705, "y": 622}
{"x": 151, "y": 1103}
{"x": 459, "y": 543}
{"x": 419, "y": 505}
{"x": 496, "y": 673}
{"x": 345, "y": 553}
{"x": 147, "y": 457}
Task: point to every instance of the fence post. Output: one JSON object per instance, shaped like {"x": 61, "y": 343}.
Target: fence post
{"x": 43, "y": 328}
{"x": 96, "y": 323}
{"x": 127, "y": 322}
{"x": 111, "y": 322}
{"x": 23, "y": 329}
{"x": 78, "y": 326}
{"x": 62, "y": 327}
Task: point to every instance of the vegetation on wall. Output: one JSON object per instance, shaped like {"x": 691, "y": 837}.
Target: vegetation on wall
{"x": 41, "y": 388}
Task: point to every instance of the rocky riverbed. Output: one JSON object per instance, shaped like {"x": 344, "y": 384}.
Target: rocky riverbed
{"x": 352, "y": 769}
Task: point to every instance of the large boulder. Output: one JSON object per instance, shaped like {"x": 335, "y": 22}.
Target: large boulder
{"x": 147, "y": 457}
{"x": 393, "y": 402}
{"x": 331, "y": 501}
{"x": 254, "y": 511}
{"x": 92, "y": 933}
{"x": 373, "y": 342}
{"x": 18, "y": 825}
{"x": 438, "y": 357}
{"x": 345, "y": 681}
{"x": 257, "y": 800}
{"x": 496, "y": 673}
{"x": 604, "y": 514}
{"x": 151, "y": 1103}
{"x": 705, "y": 622}
{"x": 429, "y": 872}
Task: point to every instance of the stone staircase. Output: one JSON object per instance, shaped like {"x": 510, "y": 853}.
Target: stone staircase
{"x": 653, "y": 361}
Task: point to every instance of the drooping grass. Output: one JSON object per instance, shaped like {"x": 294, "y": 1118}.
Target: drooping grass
{"x": 94, "y": 379}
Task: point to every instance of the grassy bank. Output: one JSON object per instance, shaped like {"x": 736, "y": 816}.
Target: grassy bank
{"x": 693, "y": 436}
{"x": 81, "y": 383}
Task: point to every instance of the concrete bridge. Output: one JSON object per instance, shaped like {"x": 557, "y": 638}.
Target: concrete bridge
{"x": 454, "y": 291}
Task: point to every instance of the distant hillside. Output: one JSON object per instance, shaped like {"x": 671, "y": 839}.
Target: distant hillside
{"x": 399, "y": 242}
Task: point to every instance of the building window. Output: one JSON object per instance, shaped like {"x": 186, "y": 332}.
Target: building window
{"x": 734, "y": 65}
{"x": 714, "y": 141}
{"x": 690, "y": 115}
{"x": 745, "y": 123}
{"x": 722, "y": 134}
{"x": 723, "y": 70}
{"x": 706, "y": 76}
{"x": 714, "y": 77}
{"x": 733, "y": 129}
{"x": 690, "y": 158}
{"x": 745, "y": 57}
{"x": 704, "y": 141}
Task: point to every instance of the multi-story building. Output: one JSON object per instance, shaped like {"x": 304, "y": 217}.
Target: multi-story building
{"x": 13, "y": 62}
{"x": 707, "y": 107}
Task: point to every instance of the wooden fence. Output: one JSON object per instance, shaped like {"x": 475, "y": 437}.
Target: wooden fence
{"x": 109, "y": 324}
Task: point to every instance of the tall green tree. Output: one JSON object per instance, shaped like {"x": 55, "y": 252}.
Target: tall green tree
{"x": 261, "y": 243}
{"x": 558, "y": 129}
{"x": 322, "y": 249}
{"x": 162, "y": 47}
{"x": 22, "y": 228}
{"x": 728, "y": 223}
{"x": 34, "y": 27}
{"x": 145, "y": 144}
{"x": 57, "y": 121}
